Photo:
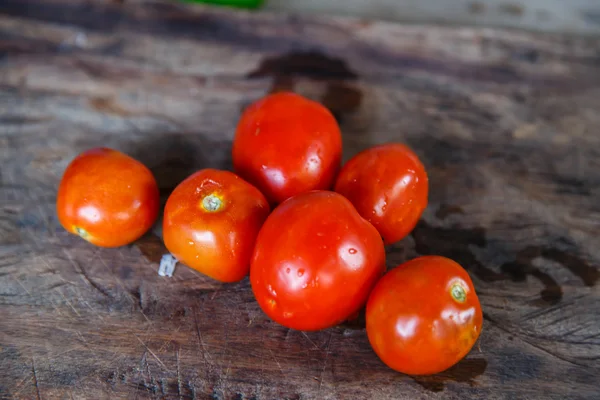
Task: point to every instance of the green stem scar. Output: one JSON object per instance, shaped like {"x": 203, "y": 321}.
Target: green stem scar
{"x": 212, "y": 203}
{"x": 458, "y": 293}
{"x": 81, "y": 232}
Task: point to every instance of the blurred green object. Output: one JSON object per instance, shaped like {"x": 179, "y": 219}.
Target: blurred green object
{"x": 231, "y": 3}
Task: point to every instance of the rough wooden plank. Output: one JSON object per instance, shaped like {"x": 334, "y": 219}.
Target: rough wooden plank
{"x": 506, "y": 123}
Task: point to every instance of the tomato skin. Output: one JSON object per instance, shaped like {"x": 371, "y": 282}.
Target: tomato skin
{"x": 315, "y": 261}
{"x": 389, "y": 186}
{"x": 286, "y": 144}
{"x": 415, "y": 325}
{"x": 216, "y": 243}
{"x": 107, "y": 197}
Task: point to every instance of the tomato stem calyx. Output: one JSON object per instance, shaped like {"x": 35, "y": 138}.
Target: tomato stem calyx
{"x": 458, "y": 293}
{"x": 212, "y": 203}
{"x": 81, "y": 232}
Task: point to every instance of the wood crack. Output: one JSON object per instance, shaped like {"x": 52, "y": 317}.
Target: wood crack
{"x": 531, "y": 343}
{"x": 79, "y": 268}
{"x": 35, "y": 379}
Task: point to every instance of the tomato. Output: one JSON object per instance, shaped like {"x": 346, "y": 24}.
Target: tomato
{"x": 211, "y": 221}
{"x": 107, "y": 197}
{"x": 315, "y": 261}
{"x": 389, "y": 186}
{"x": 423, "y": 316}
{"x": 286, "y": 144}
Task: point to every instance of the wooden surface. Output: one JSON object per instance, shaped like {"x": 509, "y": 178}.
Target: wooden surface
{"x": 508, "y": 125}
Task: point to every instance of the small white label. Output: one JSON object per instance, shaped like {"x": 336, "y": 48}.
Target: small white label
{"x": 167, "y": 265}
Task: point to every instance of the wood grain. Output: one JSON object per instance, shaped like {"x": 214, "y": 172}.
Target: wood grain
{"x": 507, "y": 124}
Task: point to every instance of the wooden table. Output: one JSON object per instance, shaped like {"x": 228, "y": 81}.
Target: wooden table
{"x": 507, "y": 123}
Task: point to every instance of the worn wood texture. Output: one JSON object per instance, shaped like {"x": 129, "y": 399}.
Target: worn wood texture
{"x": 508, "y": 125}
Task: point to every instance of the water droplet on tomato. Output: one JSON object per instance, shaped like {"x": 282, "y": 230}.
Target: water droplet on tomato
{"x": 191, "y": 243}
{"x": 352, "y": 251}
{"x": 288, "y": 314}
{"x": 272, "y": 291}
{"x": 300, "y": 272}
{"x": 313, "y": 164}
{"x": 287, "y": 270}
{"x": 380, "y": 206}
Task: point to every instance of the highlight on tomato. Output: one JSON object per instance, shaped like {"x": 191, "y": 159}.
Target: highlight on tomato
{"x": 389, "y": 187}
{"x": 286, "y": 144}
{"x": 107, "y": 197}
{"x": 211, "y": 221}
{"x": 315, "y": 261}
{"x": 423, "y": 316}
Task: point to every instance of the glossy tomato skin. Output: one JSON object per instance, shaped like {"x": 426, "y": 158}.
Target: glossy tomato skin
{"x": 286, "y": 144}
{"x": 423, "y": 316}
{"x": 315, "y": 261}
{"x": 389, "y": 186}
{"x": 211, "y": 221}
{"x": 107, "y": 197}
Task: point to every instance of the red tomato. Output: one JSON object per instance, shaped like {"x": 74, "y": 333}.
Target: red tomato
{"x": 388, "y": 186}
{"x": 315, "y": 261}
{"x": 286, "y": 144}
{"x": 107, "y": 198}
{"x": 423, "y": 316}
{"x": 211, "y": 221}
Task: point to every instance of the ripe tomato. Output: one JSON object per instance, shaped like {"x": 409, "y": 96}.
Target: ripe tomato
{"x": 211, "y": 221}
{"x": 423, "y": 316}
{"x": 286, "y": 144}
{"x": 388, "y": 186}
{"x": 315, "y": 261}
{"x": 107, "y": 197}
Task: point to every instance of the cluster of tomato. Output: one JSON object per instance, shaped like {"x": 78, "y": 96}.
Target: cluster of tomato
{"x": 309, "y": 233}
